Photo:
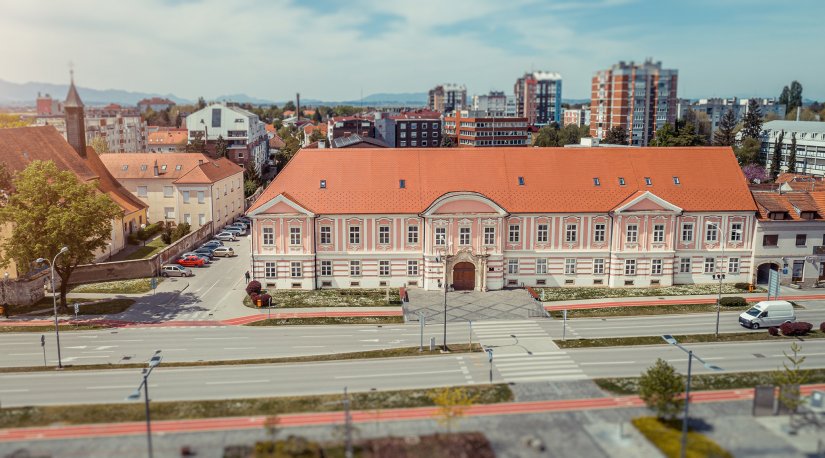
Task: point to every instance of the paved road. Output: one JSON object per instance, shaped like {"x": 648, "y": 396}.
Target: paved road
{"x": 227, "y": 382}
{"x": 128, "y": 345}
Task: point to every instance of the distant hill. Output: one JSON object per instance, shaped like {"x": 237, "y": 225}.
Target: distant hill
{"x": 26, "y": 94}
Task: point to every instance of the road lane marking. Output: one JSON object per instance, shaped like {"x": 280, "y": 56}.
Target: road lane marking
{"x": 607, "y": 362}
{"x": 236, "y": 382}
{"x": 21, "y": 390}
{"x": 310, "y": 346}
{"x": 240, "y": 348}
{"x": 220, "y": 338}
{"x": 25, "y": 354}
{"x": 398, "y": 374}
{"x": 328, "y": 336}
{"x": 115, "y": 387}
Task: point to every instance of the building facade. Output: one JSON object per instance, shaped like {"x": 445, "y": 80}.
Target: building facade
{"x": 472, "y": 129}
{"x": 410, "y": 129}
{"x": 123, "y": 130}
{"x": 538, "y": 98}
{"x": 167, "y": 140}
{"x": 493, "y": 104}
{"x": 344, "y": 126}
{"x": 155, "y": 104}
{"x": 242, "y": 130}
{"x": 641, "y": 98}
{"x": 530, "y": 216}
{"x": 577, "y": 116}
{"x": 810, "y": 145}
{"x": 445, "y": 98}
{"x": 715, "y": 108}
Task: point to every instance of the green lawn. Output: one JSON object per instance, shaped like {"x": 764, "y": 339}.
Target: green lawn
{"x": 149, "y": 250}
{"x": 331, "y": 298}
{"x": 685, "y": 339}
{"x": 330, "y": 320}
{"x": 667, "y": 436}
{"x": 643, "y": 310}
{"x": 47, "y": 307}
{"x": 704, "y": 382}
{"x": 568, "y": 294}
{"x": 135, "y": 286}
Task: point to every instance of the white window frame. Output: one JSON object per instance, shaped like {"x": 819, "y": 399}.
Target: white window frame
{"x": 142, "y": 191}
{"x": 185, "y": 196}
{"x": 412, "y": 235}
{"x": 658, "y": 233}
{"x": 632, "y": 233}
{"x": 384, "y": 268}
{"x": 270, "y": 270}
{"x": 295, "y": 236}
{"x": 326, "y": 235}
{"x": 296, "y": 269}
{"x": 733, "y": 265}
{"x": 514, "y": 233}
{"x": 541, "y": 266}
{"x": 326, "y": 268}
{"x": 630, "y": 267}
{"x": 354, "y": 235}
{"x": 168, "y": 192}
{"x": 712, "y": 233}
{"x": 736, "y": 230}
{"x": 571, "y": 232}
{"x": 656, "y": 267}
{"x": 570, "y": 266}
{"x": 440, "y": 236}
{"x": 599, "y": 230}
{"x": 512, "y": 266}
{"x": 710, "y": 265}
{"x": 464, "y": 234}
{"x": 355, "y": 268}
{"x": 687, "y": 232}
{"x": 384, "y": 235}
{"x": 412, "y": 268}
{"x": 268, "y": 236}
{"x": 489, "y": 235}
{"x": 542, "y": 233}
{"x": 598, "y": 266}
{"x": 685, "y": 265}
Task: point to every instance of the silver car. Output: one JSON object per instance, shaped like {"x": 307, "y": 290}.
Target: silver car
{"x": 224, "y": 251}
{"x": 175, "y": 270}
{"x": 227, "y": 236}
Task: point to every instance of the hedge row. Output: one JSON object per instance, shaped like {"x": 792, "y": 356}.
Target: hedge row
{"x": 145, "y": 233}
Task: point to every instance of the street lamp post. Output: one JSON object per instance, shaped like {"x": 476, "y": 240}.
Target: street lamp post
{"x": 54, "y": 302}
{"x": 446, "y": 287}
{"x": 671, "y": 340}
{"x": 153, "y": 363}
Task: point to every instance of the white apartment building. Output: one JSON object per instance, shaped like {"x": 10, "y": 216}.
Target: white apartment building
{"x": 715, "y": 108}
{"x": 810, "y": 145}
{"x": 243, "y": 131}
{"x": 123, "y": 129}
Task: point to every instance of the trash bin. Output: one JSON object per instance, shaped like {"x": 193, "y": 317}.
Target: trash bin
{"x": 258, "y": 303}
{"x": 750, "y": 287}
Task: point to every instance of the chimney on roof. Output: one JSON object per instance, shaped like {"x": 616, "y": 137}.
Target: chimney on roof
{"x": 155, "y": 168}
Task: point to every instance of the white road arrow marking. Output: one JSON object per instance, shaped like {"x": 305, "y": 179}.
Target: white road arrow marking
{"x": 370, "y": 340}
{"x": 104, "y": 347}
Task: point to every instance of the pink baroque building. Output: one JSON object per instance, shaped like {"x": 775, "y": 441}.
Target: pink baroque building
{"x": 502, "y": 217}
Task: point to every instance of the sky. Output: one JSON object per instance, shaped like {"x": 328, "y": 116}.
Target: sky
{"x": 339, "y": 50}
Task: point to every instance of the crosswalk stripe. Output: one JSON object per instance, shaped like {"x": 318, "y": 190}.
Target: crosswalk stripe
{"x": 551, "y": 378}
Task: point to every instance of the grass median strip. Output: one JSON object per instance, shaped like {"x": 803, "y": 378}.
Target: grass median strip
{"x": 332, "y": 298}
{"x": 19, "y": 417}
{"x": 667, "y": 436}
{"x": 371, "y": 354}
{"x": 45, "y": 306}
{"x": 567, "y": 293}
{"x": 134, "y": 286}
{"x": 43, "y": 329}
{"x": 670, "y": 309}
{"x": 330, "y": 320}
{"x": 707, "y": 382}
{"x": 688, "y": 338}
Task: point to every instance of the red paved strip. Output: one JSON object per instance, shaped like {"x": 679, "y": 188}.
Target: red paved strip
{"x": 363, "y": 416}
{"x": 286, "y": 315}
{"x": 653, "y": 302}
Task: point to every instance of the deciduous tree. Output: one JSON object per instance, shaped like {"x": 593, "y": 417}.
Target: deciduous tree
{"x": 789, "y": 379}
{"x": 316, "y": 117}
{"x": 446, "y": 141}
{"x": 755, "y": 173}
{"x": 795, "y": 96}
{"x": 661, "y": 388}
{"x": 452, "y": 403}
{"x": 725, "y": 134}
{"x": 748, "y": 152}
{"x": 221, "y": 147}
{"x": 50, "y": 209}
{"x": 617, "y": 135}
{"x": 100, "y": 144}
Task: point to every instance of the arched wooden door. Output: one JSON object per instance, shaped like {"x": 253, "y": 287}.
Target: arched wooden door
{"x": 464, "y": 276}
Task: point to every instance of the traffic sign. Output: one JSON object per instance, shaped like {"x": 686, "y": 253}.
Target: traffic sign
{"x": 42, "y": 340}
{"x": 773, "y": 284}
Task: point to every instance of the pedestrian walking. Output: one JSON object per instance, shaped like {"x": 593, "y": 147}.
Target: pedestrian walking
{"x": 246, "y": 275}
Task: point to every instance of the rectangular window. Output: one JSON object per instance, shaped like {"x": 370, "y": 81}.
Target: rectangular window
{"x": 598, "y": 266}
{"x": 294, "y": 235}
{"x": 326, "y": 235}
{"x": 712, "y": 235}
{"x": 201, "y": 197}
{"x": 169, "y": 212}
{"x": 383, "y": 235}
{"x": 270, "y": 270}
{"x": 412, "y": 234}
{"x": 656, "y": 267}
{"x": 542, "y": 235}
{"x": 801, "y": 240}
{"x": 570, "y": 266}
{"x": 464, "y": 236}
{"x": 354, "y": 235}
{"x": 571, "y": 233}
{"x": 541, "y": 266}
{"x": 441, "y": 236}
{"x": 168, "y": 191}
{"x": 201, "y": 219}
{"x": 710, "y": 265}
{"x": 187, "y": 218}
{"x": 684, "y": 265}
{"x": 632, "y": 235}
{"x": 733, "y": 265}
{"x": 384, "y": 268}
{"x": 687, "y": 232}
{"x": 185, "y": 197}
{"x": 658, "y": 233}
{"x": 599, "y": 232}
{"x": 512, "y": 266}
{"x": 514, "y": 234}
{"x": 412, "y": 268}
{"x": 295, "y": 269}
{"x": 736, "y": 232}
{"x": 630, "y": 267}
{"x": 326, "y": 268}
{"x": 489, "y": 235}
{"x": 355, "y": 268}
{"x": 216, "y": 117}
{"x": 142, "y": 191}
{"x": 269, "y": 236}
{"x": 770, "y": 240}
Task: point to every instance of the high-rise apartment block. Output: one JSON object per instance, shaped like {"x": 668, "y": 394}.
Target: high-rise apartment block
{"x": 445, "y": 98}
{"x": 538, "y": 98}
{"x": 494, "y": 103}
{"x": 639, "y": 97}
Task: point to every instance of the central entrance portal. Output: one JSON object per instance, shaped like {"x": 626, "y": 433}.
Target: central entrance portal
{"x": 464, "y": 276}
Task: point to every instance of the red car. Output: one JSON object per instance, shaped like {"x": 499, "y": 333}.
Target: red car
{"x": 190, "y": 261}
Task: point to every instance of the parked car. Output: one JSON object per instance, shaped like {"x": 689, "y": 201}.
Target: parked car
{"x": 766, "y": 314}
{"x": 234, "y": 230}
{"x": 224, "y": 251}
{"x": 239, "y": 229}
{"x": 212, "y": 244}
{"x": 175, "y": 270}
{"x": 205, "y": 251}
{"x": 226, "y": 236}
{"x": 191, "y": 261}
{"x": 206, "y": 259}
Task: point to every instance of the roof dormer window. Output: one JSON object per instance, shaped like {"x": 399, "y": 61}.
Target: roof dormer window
{"x": 676, "y": 180}
{"x": 125, "y": 167}
{"x": 621, "y": 181}
{"x": 178, "y": 167}
{"x": 402, "y": 184}
{"x": 323, "y": 184}
{"x": 143, "y": 167}
{"x": 521, "y": 181}
{"x": 596, "y": 181}
{"x": 648, "y": 181}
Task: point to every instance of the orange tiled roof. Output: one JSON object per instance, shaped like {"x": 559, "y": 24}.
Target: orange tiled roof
{"x": 276, "y": 142}
{"x": 171, "y": 166}
{"x": 211, "y": 172}
{"x": 309, "y": 128}
{"x": 791, "y": 203}
{"x": 556, "y": 179}
{"x": 108, "y": 184}
{"x": 270, "y": 128}
{"x": 168, "y": 137}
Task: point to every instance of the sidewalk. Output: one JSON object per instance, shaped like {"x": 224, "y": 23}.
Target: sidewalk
{"x": 333, "y": 418}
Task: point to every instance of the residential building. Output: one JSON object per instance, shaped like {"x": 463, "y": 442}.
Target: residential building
{"x": 445, "y": 98}
{"x": 242, "y": 130}
{"x": 47, "y": 106}
{"x": 493, "y": 104}
{"x": 715, "y": 108}
{"x": 810, "y": 145}
{"x": 641, "y": 98}
{"x": 155, "y": 104}
{"x": 309, "y": 129}
{"x": 409, "y": 129}
{"x": 167, "y": 140}
{"x": 182, "y": 187}
{"x": 538, "y": 98}
{"x": 472, "y": 129}
{"x": 344, "y": 126}
{"x": 790, "y": 236}
{"x": 20, "y": 146}
{"x": 577, "y": 116}
{"x": 354, "y": 141}
{"x": 123, "y": 129}
{"x": 528, "y": 216}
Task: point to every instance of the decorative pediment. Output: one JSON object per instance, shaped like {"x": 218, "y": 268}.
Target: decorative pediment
{"x": 464, "y": 203}
{"x": 647, "y": 202}
{"x": 283, "y": 205}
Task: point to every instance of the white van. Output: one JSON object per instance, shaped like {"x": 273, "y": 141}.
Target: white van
{"x": 767, "y": 313}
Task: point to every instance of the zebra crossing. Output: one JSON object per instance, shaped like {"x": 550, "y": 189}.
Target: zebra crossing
{"x": 524, "y": 352}
{"x": 183, "y": 315}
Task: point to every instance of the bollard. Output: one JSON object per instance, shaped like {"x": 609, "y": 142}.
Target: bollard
{"x": 432, "y": 343}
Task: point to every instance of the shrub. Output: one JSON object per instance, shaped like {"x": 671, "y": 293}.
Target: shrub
{"x": 822, "y": 326}
{"x": 254, "y": 287}
{"x": 266, "y": 299}
{"x": 733, "y": 301}
{"x": 742, "y": 286}
{"x": 800, "y": 328}
{"x": 254, "y": 298}
{"x": 180, "y": 231}
{"x": 660, "y": 387}
{"x": 773, "y": 330}
{"x": 166, "y": 235}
